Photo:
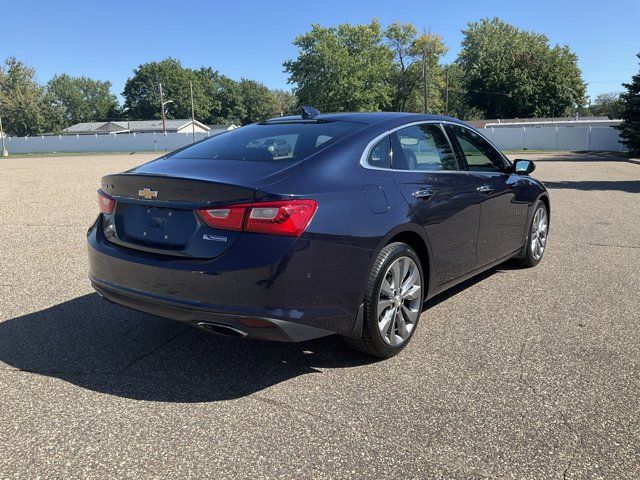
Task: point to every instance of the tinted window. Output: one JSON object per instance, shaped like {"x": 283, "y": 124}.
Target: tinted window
{"x": 379, "y": 154}
{"x": 480, "y": 155}
{"x": 422, "y": 147}
{"x": 270, "y": 142}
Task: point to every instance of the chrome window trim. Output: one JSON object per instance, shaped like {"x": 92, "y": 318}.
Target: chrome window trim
{"x": 440, "y": 123}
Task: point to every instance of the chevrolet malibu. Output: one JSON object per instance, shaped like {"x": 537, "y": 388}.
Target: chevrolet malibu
{"x": 365, "y": 217}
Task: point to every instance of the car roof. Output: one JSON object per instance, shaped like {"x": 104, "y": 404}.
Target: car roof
{"x": 369, "y": 118}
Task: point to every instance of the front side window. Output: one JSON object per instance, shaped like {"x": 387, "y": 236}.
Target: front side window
{"x": 422, "y": 147}
{"x": 270, "y": 142}
{"x": 480, "y": 155}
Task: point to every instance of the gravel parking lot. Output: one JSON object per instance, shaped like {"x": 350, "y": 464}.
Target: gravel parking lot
{"x": 518, "y": 373}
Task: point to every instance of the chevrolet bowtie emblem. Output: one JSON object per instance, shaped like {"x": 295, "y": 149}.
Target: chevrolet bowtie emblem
{"x": 147, "y": 193}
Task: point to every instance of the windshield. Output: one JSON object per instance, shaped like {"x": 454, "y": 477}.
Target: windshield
{"x": 271, "y": 142}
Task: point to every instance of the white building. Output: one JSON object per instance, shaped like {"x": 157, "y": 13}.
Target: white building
{"x": 138, "y": 126}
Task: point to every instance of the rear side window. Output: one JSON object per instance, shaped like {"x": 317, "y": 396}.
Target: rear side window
{"x": 379, "y": 154}
{"x": 270, "y": 142}
{"x": 480, "y": 155}
{"x": 422, "y": 147}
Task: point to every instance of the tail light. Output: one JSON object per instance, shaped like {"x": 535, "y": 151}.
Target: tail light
{"x": 227, "y": 218}
{"x": 105, "y": 202}
{"x": 289, "y": 217}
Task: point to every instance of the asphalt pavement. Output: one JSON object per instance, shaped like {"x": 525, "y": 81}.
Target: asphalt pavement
{"x": 519, "y": 373}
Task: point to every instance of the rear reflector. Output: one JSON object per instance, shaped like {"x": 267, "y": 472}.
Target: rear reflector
{"x": 105, "y": 202}
{"x": 256, "y": 323}
{"x": 289, "y": 217}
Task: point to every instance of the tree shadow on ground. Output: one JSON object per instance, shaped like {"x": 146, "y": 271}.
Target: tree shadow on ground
{"x": 577, "y": 157}
{"x": 629, "y": 186}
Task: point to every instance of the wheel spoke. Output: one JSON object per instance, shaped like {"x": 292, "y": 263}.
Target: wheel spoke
{"x": 386, "y": 288}
{"x": 396, "y": 274}
{"x": 403, "y": 332}
{"x": 413, "y": 293}
{"x": 410, "y": 279}
{"x": 383, "y": 305}
{"x": 405, "y": 267}
{"x": 385, "y": 322}
{"x": 391, "y": 331}
{"x": 409, "y": 314}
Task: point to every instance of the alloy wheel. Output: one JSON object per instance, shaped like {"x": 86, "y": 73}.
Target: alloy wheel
{"x": 399, "y": 301}
{"x": 539, "y": 229}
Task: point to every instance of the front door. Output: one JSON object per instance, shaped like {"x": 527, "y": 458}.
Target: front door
{"x": 502, "y": 215}
{"x": 442, "y": 197}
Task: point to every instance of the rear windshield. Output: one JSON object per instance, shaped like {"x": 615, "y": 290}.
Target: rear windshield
{"x": 271, "y": 142}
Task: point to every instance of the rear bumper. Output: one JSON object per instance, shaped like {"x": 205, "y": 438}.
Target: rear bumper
{"x": 208, "y": 319}
{"x": 299, "y": 288}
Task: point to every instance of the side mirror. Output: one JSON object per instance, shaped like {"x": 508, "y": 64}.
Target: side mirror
{"x": 523, "y": 167}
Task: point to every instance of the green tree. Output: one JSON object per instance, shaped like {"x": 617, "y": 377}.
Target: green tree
{"x": 630, "y": 127}
{"x": 607, "y": 104}
{"x": 458, "y": 105}
{"x": 80, "y": 99}
{"x": 20, "y": 99}
{"x": 429, "y": 48}
{"x": 343, "y": 68}
{"x": 206, "y": 101}
{"x": 259, "y": 103}
{"x": 232, "y": 108}
{"x": 217, "y": 99}
{"x": 409, "y": 53}
{"x": 509, "y": 72}
{"x": 142, "y": 93}
{"x": 286, "y": 102}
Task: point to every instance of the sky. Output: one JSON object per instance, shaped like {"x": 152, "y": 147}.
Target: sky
{"x": 106, "y": 40}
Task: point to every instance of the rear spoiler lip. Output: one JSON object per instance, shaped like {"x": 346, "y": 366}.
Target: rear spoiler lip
{"x": 172, "y": 189}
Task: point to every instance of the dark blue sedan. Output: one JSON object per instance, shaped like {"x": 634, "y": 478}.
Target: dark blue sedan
{"x": 347, "y": 230}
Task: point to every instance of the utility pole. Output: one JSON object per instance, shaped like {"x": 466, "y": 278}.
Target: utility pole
{"x": 446, "y": 91}
{"x": 425, "y": 77}
{"x": 193, "y": 115}
{"x": 164, "y": 116}
{"x": 4, "y": 150}
{"x": 164, "y": 119}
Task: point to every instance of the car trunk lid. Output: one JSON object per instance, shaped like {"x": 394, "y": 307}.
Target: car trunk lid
{"x": 156, "y": 204}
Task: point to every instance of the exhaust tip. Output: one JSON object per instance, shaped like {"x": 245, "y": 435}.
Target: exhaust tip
{"x": 224, "y": 330}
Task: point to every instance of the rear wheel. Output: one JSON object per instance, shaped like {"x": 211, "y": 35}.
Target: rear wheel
{"x": 393, "y": 302}
{"x": 537, "y": 236}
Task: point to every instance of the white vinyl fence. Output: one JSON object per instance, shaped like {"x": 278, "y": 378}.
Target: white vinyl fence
{"x": 123, "y": 142}
{"x": 555, "y": 138}
{"x": 505, "y": 138}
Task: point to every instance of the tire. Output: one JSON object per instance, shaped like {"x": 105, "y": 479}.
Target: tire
{"x": 397, "y": 304}
{"x": 538, "y": 233}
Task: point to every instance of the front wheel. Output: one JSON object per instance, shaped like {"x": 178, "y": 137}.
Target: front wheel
{"x": 537, "y": 236}
{"x": 393, "y": 302}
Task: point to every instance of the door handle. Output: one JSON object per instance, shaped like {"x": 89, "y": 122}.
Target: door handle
{"x": 485, "y": 189}
{"x": 423, "y": 194}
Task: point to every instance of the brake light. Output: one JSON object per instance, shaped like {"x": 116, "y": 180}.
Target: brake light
{"x": 288, "y": 217}
{"x": 105, "y": 202}
{"x": 281, "y": 218}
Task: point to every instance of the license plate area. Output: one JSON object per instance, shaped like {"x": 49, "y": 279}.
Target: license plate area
{"x": 155, "y": 226}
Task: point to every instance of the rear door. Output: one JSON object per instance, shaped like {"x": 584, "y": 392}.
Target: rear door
{"x": 502, "y": 216}
{"x": 441, "y": 195}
